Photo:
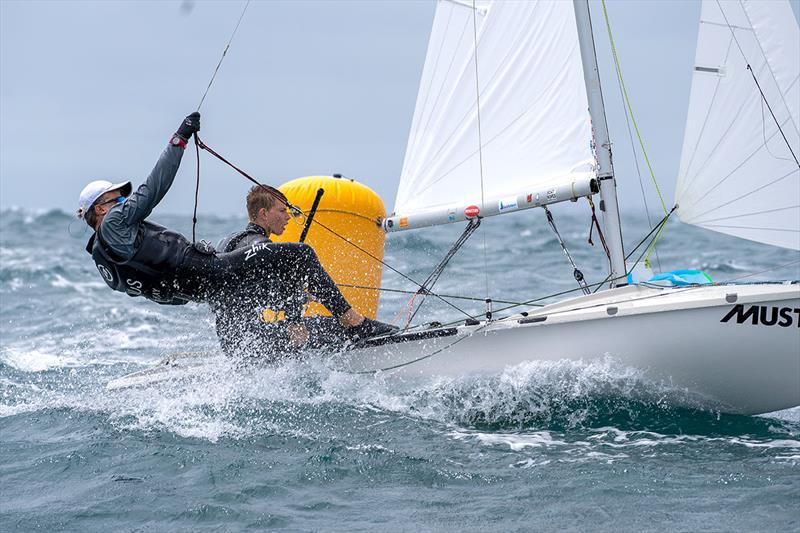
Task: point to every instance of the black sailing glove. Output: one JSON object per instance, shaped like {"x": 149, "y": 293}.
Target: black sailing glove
{"x": 190, "y": 125}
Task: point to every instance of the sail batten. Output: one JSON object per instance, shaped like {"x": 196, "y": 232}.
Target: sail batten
{"x": 741, "y": 216}
{"x": 533, "y": 106}
{"x": 717, "y": 183}
{"x": 739, "y": 159}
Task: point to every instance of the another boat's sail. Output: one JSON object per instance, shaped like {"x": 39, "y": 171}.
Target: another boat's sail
{"x": 534, "y": 119}
{"x": 739, "y": 171}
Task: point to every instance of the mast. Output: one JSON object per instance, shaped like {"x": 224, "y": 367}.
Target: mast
{"x": 605, "y": 168}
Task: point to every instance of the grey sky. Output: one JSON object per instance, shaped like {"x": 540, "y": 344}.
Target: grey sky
{"x": 92, "y": 90}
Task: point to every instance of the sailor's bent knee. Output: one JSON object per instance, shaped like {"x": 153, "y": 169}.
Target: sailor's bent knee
{"x": 299, "y": 252}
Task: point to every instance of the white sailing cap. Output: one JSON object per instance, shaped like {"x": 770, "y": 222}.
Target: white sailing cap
{"x": 95, "y": 189}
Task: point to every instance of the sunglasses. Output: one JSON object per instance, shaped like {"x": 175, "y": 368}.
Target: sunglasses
{"x": 118, "y": 199}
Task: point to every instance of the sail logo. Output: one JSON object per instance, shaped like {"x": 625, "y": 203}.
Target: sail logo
{"x": 472, "y": 211}
{"x": 764, "y": 315}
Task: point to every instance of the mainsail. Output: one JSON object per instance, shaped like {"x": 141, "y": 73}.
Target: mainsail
{"x": 739, "y": 171}
{"x": 534, "y": 119}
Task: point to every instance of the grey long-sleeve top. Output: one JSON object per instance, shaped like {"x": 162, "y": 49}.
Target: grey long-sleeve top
{"x": 121, "y": 223}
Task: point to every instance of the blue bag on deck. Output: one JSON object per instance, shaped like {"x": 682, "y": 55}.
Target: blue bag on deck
{"x": 678, "y": 278}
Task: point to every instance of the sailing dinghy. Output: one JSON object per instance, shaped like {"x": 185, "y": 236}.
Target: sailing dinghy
{"x": 735, "y": 347}
{"x": 510, "y": 116}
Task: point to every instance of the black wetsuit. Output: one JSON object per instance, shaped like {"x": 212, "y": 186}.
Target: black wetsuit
{"x": 240, "y": 326}
{"x": 141, "y": 258}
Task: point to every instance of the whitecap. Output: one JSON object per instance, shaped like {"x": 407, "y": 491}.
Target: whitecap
{"x": 35, "y": 360}
{"x": 82, "y": 287}
{"x": 515, "y": 441}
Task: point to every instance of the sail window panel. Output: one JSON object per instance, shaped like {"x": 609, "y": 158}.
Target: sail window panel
{"x": 776, "y": 29}
{"x": 533, "y": 108}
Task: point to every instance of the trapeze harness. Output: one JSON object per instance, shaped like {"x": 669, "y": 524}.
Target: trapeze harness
{"x": 152, "y": 272}
{"x": 170, "y": 270}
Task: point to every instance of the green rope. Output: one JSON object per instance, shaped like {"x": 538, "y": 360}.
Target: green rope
{"x": 652, "y": 247}
{"x": 635, "y": 127}
{"x": 630, "y": 109}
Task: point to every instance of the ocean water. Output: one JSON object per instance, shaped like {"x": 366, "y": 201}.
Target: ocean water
{"x": 296, "y": 446}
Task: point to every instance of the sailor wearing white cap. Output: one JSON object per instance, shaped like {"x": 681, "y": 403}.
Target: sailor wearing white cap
{"x": 141, "y": 258}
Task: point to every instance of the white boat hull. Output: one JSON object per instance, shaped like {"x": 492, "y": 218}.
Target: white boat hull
{"x": 676, "y": 336}
{"x": 734, "y": 348}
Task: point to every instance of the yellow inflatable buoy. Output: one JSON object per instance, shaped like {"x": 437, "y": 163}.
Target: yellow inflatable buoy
{"x": 355, "y": 213}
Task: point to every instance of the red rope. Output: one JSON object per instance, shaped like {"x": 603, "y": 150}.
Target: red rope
{"x": 271, "y": 190}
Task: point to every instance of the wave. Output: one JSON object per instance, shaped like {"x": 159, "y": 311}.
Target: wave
{"x": 570, "y": 395}
{"x": 727, "y": 267}
{"x": 35, "y": 360}
{"x": 586, "y": 412}
{"x": 32, "y": 214}
{"x": 300, "y": 398}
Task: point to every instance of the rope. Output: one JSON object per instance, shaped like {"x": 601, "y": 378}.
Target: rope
{"x": 628, "y": 117}
{"x": 196, "y": 139}
{"x": 630, "y": 107}
{"x": 596, "y": 223}
{"x": 651, "y": 247}
{"x": 282, "y": 199}
{"x": 403, "y": 291}
{"x": 538, "y": 299}
{"x": 480, "y": 142}
{"x": 575, "y": 271}
{"x": 225, "y": 51}
{"x": 764, "y": 99}
{"x": 658, "y": 227}
{"x": 270, "y": 190}
{"x": 534, "y": 301}
{"x": 653, "y": 230}
{"x": 596, "y": 286}
{"x": 629, "y": 112}
{"x": 431, "y": 280}
{"x": 196, "y": 188}
{"x": 600, "y": 284}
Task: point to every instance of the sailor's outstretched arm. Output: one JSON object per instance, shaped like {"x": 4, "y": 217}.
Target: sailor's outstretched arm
{"x": 152, "y": 191}
{"x": 121, "y": 223}
{"x": 142, "y": 201}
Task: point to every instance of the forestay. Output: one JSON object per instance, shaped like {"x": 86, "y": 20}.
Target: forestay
{"x": 536, "y": 132}
{"x": 738, "y": 174}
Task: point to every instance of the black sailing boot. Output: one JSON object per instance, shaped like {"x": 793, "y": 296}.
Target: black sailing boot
{"x": 370, "y": 328}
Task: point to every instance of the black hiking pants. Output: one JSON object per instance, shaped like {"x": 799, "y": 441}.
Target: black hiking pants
{"x": 239, "y": 285}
